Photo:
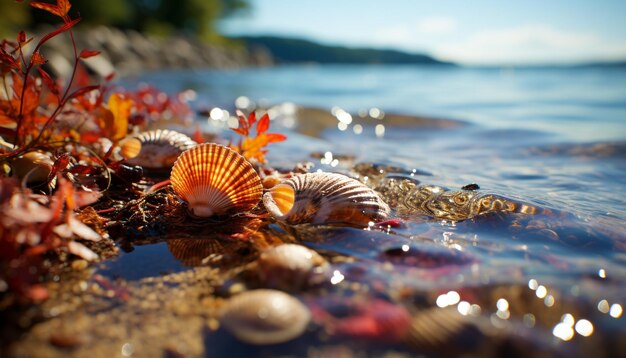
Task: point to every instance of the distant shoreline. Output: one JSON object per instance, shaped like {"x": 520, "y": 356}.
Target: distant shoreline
{"x": 286, "y": 50}
{"x": 293, "y": 50}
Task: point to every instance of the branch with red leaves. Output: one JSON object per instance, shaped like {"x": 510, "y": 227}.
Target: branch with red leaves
{"x": 252, "y": 148}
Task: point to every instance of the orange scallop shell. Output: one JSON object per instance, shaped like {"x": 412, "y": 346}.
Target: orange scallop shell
{"x": 215, "y": 180}
{"x": 324, "y": 198}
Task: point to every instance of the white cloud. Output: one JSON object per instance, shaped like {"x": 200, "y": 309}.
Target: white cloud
{"x": 529, "y": 44}
{"x": 409, "y": 36}
{"x": 436, "y": 25}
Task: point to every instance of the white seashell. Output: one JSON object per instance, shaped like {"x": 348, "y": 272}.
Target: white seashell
{"x": 323, "y": 198}
{"x": 290, "y": 266}
{"x": 160, "y": 148}
{"x": 265, "y": 316}
{"x": 215, "y": 180}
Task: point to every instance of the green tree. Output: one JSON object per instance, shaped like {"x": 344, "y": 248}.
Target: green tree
{"x": 194, "y": 17}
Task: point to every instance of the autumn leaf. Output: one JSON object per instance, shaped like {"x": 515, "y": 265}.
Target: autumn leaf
{"x": 240, "y": 131}
{"x": 81, "y": 91}
{"x": 8, "y": 62}
{"x": 37, "y": 58}
{"x": 275, "y": 137}
{"x": 251, "y": 119}
{"x": 6, "y": 121}
{"x": 61, "y": 8}
{"x": 254, "y": 147}
{"x": 88, "y": 53}
{"x": 31, "y": 96}
{"x": 49, "y": 82}
{"x": 119, "y": 107}
{"x": 244, "y": 123}
{"x": 66, "y": 26}
{"x": 263, "y": 125}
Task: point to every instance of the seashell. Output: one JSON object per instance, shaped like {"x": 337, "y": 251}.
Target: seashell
{"x": 265, "y": 316}
{"x": 444, "y": 331}
{"x": 130, "y": 147}
{"x": 322, "y": 198}
{"x": 160, "y": 148}
{"x": 215, "y": 180}
{"x": 290, "y": 266}
{"x": 33, "y": 166}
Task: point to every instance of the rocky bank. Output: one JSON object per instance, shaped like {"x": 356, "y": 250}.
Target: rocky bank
{"x": 127, "y": 52}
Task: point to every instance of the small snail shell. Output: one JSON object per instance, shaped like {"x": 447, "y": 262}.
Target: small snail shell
{"x": 290, "y": 266}
{"x": 215, "y": 180}
{"x": 322, "y": 198}
{"x": 265, "y": 316}
{"x": 35, "y": 166}
{"x": 160, "y": 148}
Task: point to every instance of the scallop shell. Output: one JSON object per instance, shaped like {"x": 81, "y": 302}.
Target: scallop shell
{"x": 290, "y": 266}
{"x": 322, "y": 198}
{"x": 160, "y": 148}
{"x": 215, "y": 180}
{"x": 265, "y": 316}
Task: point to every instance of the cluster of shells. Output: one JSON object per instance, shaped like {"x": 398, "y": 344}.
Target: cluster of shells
{"x": 216, "y": 181}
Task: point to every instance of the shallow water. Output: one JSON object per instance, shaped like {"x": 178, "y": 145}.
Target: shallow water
{"x": 551, "y": 138}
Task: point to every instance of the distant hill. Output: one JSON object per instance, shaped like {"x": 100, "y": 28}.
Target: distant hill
{"x": 290, "y": 50}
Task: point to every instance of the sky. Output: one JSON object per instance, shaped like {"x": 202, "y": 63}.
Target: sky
{"x": 479, "y": 32}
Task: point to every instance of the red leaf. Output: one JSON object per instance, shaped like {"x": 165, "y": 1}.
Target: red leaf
{"x": 53, "y": 9}
{"x": 66, "y": 26}
{"x": 89, "y": 137}
{"x": 263, "y": 124}
{"x": 275, "y": 137}
{"x": 82, "y": 169}
{"x": 7, "y": 60}
{"x": 37, "y": 58}
{"x": 243, "y": 123}
{"x": 251, "y": 119}
{"x": 81, "y": 91}
{"x": 61, "y": 163}
{"x": 241, "y": 131}
{"x": 49, "y": 82}
{"x": 64, "y": 6}
{"x": 21, "y": 37}
{"x": 60, "y": 9}
{"x": 88, "y": 53}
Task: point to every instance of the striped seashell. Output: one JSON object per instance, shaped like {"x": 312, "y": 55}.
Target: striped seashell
{"x": 215, "y": 180}
{"x": 290, "y": 266}
{"x": 323, "y": 198}
{"x": 265, "y": 316}
{"x": 160, "y": 148}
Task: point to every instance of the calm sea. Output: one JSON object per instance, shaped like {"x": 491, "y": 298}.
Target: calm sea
{"x": 554, "y": 138}
{"x": 555, "y": 134}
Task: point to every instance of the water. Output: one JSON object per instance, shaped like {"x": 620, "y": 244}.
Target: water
{"x": 528, "y": 134}
{"x": 554, "y": 138}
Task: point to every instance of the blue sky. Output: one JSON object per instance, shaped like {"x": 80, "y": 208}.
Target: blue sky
{"x": 466, "y": 31}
